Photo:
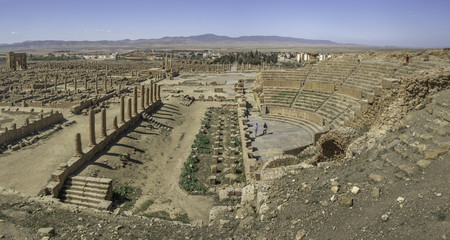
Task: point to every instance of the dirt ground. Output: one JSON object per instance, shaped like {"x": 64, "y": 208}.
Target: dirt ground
{"x": 28, "y": 169}
{"x": 156, "y": 160}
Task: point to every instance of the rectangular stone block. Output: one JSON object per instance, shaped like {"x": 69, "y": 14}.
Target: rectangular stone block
{"x": 212, "y": 180}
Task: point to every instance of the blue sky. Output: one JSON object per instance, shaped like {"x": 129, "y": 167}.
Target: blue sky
{"x": 410, "y": 23}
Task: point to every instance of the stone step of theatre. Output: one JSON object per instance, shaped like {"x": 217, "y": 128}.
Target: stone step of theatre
{"x": 88, "y": 192}
{"x": 311, "y": 127}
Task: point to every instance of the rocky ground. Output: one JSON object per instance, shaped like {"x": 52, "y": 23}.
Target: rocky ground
{"x": 395, "y": 188}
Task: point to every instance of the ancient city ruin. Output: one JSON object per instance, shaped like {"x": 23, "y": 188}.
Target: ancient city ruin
{"x": 16, "y": 61}
{"x": 175, "y": 140}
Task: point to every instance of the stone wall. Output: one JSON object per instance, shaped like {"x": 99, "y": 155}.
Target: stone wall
{"x": 279, "y": 161}
{"x": 25, "y": 130}
{"x": 311, "y": 116}
{"x": 282, "y": 84}
{"x": 350, "y": 91}
{"x": 318, "y": 86}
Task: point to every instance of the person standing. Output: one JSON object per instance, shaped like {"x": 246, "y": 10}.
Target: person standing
{"x": 256, "y": 129}
{"x": 407, "y": 59}
{"x": 265, "y": 129}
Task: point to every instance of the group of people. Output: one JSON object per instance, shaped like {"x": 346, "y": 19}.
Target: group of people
{"x": 264, "y": 130}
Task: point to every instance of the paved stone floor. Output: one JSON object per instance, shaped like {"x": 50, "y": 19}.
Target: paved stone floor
{"x": 279, "y": 137}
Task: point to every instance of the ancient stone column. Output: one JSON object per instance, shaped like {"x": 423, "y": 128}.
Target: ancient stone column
{"x": 129, "y": 109}
{"x": 155, "y": 86}
{"x": 91, "y": 128}
{"x": 65, "y": 85}
{"x": 142, "y": 97}
{"x": 106, "y": 87}
{"x": 75, "y": 84}
{"x": 135, "y": 100}
{"x": 103, "y": 133}
{"x": 147, "y": 96}
{"x": 78, "y": 149}
{"x": 122, "y": 110}
{"x": 85, "y": 84}
{"x": 56, "y": 83}
{"x": 115, "y": 127}
{"x": 158, "y": 94}
{"x": 96, "y": 86}
{"x": 151, "y": 92}
{"x": 110, "y": 81}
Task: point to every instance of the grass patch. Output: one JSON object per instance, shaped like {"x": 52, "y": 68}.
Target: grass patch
{"x": 441, "y": 216}
{"x": 202, "y": 143}
{"x": 144, "y": 206}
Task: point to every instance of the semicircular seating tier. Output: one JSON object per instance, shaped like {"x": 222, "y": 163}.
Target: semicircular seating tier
{"x": 324, "y": 95}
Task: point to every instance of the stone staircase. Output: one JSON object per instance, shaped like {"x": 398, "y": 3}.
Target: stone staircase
{"x": 88, "y": 192}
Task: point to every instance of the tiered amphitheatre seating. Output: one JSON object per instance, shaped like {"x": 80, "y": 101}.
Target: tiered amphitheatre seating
{"x": 279, "y": 96}
{"x": 280, "y": 87}
{"x": 412, "y": 67}
{"x": 88, "y": 192}
{"x": 369, "y": 75}
{"x": 310, "y": 100}
{"x": 332, "y": 71}
{"x": 304, "y": 72}
{"x": 311, "y": 127}
{"x": 337, "y": 108}
{"x": 282, "y": 75}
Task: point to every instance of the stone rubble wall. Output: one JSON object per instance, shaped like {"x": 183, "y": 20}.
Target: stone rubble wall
{"x": 10, "y": 135}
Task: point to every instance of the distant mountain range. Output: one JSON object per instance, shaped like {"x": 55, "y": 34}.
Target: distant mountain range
{"x": 200, "y": 41}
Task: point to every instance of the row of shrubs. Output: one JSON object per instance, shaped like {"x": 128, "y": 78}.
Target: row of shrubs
{"x": 188, "y": 179}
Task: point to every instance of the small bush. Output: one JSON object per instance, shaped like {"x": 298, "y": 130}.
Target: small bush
{"x": 207, "y": 124}
{"x": 124, "y": 158}
{"x": 121, "y": 192}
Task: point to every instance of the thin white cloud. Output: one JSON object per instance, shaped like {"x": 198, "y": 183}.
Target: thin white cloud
{"x": 14, "y": 33}
{"x": 103, "y": 30}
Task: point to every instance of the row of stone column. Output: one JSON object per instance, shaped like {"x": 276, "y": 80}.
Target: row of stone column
{"x": 148, "y": 97}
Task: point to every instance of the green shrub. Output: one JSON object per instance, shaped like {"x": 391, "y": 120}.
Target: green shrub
{"x": 207, "y": 124}
{"x": 188, "y": 179}
{"x": 121, "y": 192}
{"x": 201, "y": 142}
